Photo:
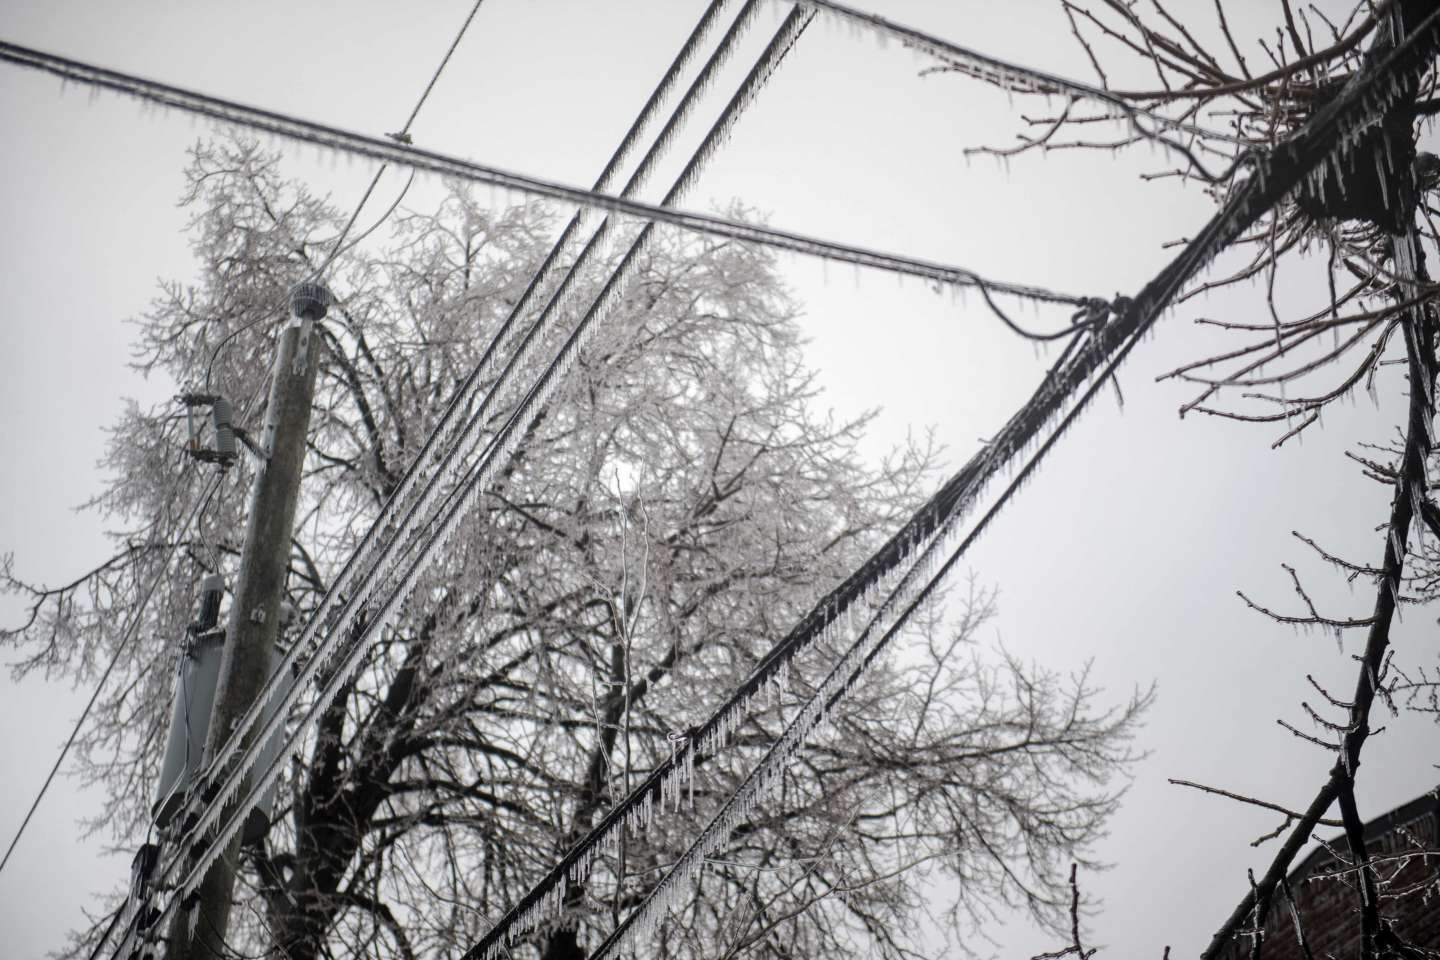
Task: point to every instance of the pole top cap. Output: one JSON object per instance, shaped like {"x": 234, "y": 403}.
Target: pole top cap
{"x": 309, "y": 300}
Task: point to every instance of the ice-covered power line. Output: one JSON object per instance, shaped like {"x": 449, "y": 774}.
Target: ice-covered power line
{"x": 1274, "y": 176}
{"x": 1010, "y": 76}
{"x": 400, "y": 154}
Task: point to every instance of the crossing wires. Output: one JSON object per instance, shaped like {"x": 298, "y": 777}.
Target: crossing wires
{"x": 468, "y": 171}
{"x": 401, "y": 136}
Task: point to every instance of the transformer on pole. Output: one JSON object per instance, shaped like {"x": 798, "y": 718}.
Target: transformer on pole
{"x": 195, "y": 681}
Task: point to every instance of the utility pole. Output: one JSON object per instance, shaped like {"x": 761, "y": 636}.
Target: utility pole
{"x": 199, "y": 933}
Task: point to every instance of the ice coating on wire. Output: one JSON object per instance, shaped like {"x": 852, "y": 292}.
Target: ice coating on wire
{"x": 418, "y": 158}
{"x": 1009, "y": 76}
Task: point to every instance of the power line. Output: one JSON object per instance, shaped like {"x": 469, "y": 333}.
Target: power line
{"x": 440, "y": 68}
{"x": 403, "y": 136}
{"x": 362, "y": 145}
{"x": 109, "y": 928}
{"x": 1010, "y": 76}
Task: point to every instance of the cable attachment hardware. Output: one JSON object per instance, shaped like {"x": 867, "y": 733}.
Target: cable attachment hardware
{"x": 142, "y": 869}
{"x": 222, "y": 422}
{"x": 212, "y": 591}
{"x": 1093, "y": 313}
{"x": 1427, "y": 171}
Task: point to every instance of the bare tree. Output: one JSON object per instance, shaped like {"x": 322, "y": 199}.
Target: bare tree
{"x": 673, "y": 510}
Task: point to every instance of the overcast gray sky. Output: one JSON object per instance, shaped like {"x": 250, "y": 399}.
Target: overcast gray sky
{"x": 1127, "y": 549}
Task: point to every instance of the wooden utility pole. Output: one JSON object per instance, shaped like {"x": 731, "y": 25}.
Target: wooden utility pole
{"x": 199, "y": 933}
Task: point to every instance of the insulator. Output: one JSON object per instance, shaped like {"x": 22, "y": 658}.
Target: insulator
{"x": 222, "y": 415}
{"x": 212, "y": 589}
{"x": 310, "y": 300}
{"x": 141, "y": 867}
{"x": 145, "y": 859}
{"x": 194, "y": 439}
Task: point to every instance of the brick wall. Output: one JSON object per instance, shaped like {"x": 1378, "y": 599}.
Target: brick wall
{"x": 1329, "y": 903}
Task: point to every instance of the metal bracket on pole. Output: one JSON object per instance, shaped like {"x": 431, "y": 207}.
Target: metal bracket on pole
{"x": 302, "y": 349}
{"x": 222, "y": 416}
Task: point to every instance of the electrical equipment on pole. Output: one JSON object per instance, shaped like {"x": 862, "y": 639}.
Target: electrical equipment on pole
{"x": 195, "y": 681}
{"x": 255, "y": 609}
